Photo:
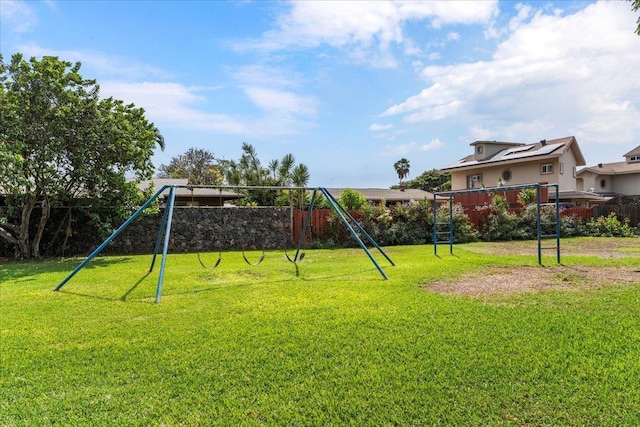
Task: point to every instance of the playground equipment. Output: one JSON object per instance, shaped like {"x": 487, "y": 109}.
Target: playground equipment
{"x": 448, "y": 234}
{"x": 164, "y": 230}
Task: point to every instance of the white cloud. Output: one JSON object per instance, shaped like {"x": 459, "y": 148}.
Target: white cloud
{"x": 172, "y": 104}
{"x": 403, "y": 149}
{"x": 272, "y": 89}
{"x": 376, "y": 127}
{"x": 97, "y": 64}
{"x": 281, "y": 102}
{"x": 433, "y": 145}
{"x": 453, "y": 37}
{"x": 175, "y": 105}
{"x": 264, "y": 75}
{"x": 553, "y": 76}
{"x": 17, "y": 16}
{"x": 365, "y": 29}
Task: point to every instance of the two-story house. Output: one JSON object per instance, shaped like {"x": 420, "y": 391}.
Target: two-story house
{"x": 495, "y": 163}
{"x": 612, "y": 179}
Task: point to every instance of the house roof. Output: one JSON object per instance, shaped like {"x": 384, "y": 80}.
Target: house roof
{"x": 186, "y": 192}
{"x": 617, "y": 168}
{"x": 634, "y": 152}
{"x": 519, "y": 153}
{"x": 389, "y": 195}
{"x": 584, "y": 195}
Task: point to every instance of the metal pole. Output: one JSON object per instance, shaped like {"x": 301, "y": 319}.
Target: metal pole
{"x": 351, "y": 230}
{"x": 451, "y": 224}
{"x": 159, "y": 238}
{"x": 362, "y": 230}
{"x": 435, "y": 225}
{"x": 110, "y": 238}
{"x": 167, "y": 233}
{"x": 538, "y": 224}
{"x": 557, "y": 222}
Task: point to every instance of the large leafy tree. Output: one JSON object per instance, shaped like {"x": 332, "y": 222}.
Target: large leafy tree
{"x": 431, "y": 180}
{"x": 59, "y": 142}
{"x": 199, "y": 166}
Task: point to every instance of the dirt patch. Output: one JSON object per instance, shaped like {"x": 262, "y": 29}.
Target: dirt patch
{"x": 510, "y": 280}
{"x": 602, "y": 247}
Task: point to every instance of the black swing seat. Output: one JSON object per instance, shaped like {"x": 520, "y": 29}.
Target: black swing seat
{"x": 249, "y": 262}
{"x": 209, "y": 267}
{"x": 297, "y": 259}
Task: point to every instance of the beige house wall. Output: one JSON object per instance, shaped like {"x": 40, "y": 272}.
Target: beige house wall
{"x": 523, "y": 173}
{"x": 567, "y": 171}
{"x": 627, "y": 184}
{"x": 621, "y": 184}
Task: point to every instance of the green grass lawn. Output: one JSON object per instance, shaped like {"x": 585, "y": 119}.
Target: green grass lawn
{"x": 334, "y": 345}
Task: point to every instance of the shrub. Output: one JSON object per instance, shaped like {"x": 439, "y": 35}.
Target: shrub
{"x": 609, "y": 226}
{"x": 352, "y": 200}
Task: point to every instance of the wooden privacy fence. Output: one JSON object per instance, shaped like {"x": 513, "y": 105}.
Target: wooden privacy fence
{"x": 320, "y": 217}
{"x": 631, "y": 211}
{"x": 579, "y": 212}
{"x": 470, "y": 202}
{"x": 317, "y": 227}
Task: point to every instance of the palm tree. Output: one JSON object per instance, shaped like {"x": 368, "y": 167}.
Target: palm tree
{"x": 402, "y": 168}
{"x": 300, "y": 178}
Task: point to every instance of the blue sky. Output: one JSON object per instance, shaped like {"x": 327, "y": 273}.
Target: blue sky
{"x": 349, "y": 88}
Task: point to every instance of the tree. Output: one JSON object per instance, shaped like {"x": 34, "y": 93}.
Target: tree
{"x": 248, "y": 171}
{"x": 197, "y": 165}
{"x": 526, "y": 197}
{"x": 352, "y": 200}
{"x": 60, "y": 142}
{"x": 431, "y": 180}
{"x": 402, "y": 168}
{"x": 635, "y": 6}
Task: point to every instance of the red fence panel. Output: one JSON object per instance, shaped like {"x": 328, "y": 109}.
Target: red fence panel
{"x": 579, "y": 211}
{"x": 318, "y": 225}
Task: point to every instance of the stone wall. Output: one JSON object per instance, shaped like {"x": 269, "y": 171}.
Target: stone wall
{"x": 209, "y": 229}
{"x": 192, "y": 229}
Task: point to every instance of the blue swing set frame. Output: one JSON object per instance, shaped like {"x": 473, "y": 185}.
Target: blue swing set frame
{"x": 164, "y": 231}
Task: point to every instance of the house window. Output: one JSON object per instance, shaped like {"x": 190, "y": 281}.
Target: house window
{"x": 479, "y": 149}
{"x": 474, "y": 181}
{"x": 634, "y": 159}
{"x": 506, "y": 175}
{"x": 603, "y": 183}
{"x": 546, "y": 169}
{"x": 575, "y": 171}
{"x": 561, "y": 168}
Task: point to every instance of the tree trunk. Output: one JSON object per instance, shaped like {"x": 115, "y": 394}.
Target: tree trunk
{"x": 23, "y": 230}
{"x": 44, "y": 217}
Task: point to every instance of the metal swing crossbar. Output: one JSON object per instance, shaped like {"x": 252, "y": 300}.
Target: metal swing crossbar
{"x": 449, "y": 195}
{"x": 164, "y": 230}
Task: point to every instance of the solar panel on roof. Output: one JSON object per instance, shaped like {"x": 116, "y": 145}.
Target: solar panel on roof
{"x": 518, "y": 149}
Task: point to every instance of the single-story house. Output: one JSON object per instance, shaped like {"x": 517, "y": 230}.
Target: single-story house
{"x": 389, "y": 196}
{"x": 187, "y": 197}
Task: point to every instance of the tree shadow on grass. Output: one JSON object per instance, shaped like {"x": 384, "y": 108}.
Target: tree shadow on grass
{"x": 124, "y": 297}
{"x": 29, "y": 270}
{"x": 297, "y": 277}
